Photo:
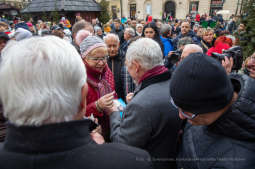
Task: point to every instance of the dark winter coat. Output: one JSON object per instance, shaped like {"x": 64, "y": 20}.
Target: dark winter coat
{"x": 150, "y": 122}
{"x": 115, "y": 64}
{"x": 229, "y": 143}
{"x": 191, "y": 34}
{"x": 65, "y": 146}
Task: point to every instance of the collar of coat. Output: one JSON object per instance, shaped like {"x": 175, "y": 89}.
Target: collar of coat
{"x": 48, "y": 138}
{"x": 152, "y": 80}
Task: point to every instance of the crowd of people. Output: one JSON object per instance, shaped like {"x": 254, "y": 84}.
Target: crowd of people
{"x": 128, "y": 94}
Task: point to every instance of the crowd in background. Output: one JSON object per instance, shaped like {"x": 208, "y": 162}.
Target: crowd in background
{"x": 136, "y": 61}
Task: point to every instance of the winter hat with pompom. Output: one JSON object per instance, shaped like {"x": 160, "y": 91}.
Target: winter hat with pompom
{"x": 88, "y": 42}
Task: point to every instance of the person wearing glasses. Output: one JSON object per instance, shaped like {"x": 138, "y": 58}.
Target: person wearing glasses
{"x": 100, "y": 79}
{"x": 219, "y": 111}
{"x": 45, "y": 111}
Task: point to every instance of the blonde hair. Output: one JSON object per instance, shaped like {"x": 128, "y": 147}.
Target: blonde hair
{"x": 206, "y": 31}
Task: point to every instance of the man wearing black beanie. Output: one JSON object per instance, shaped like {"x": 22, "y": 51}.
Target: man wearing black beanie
{"x": 220, "y": 110}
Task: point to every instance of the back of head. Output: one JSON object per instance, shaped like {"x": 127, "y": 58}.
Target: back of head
{"x": 21, "y": 34}
{"x": 41, "y": 81}
{"x": 201, "y": 85}
{"x": 146, "y": 51}
{"x": 130, "y": 31}
{"x": 82, "y": 24}
{"x": 223, "y": 39}
{"x": 184, "y": 41}
{"x": 165, "y": 30}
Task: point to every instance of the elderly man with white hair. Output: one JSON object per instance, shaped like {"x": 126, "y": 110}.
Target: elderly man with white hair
{"x": 149, "y": 121}
{"x": 129, "y": 33}
{"x": 115, "y": 62}
{"x": 43, "y": 91}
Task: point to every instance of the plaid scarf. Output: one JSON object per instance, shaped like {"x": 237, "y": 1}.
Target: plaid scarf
{"x": 102, "y": 81}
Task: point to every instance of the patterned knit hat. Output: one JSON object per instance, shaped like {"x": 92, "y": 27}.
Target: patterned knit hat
{"x": 88, "y": 42}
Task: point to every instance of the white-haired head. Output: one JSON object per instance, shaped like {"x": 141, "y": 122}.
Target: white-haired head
{"x": 111, "y": 36}
{"x": 190, "y": 48}
{"x": 146, "y": 51}
{"x": 41, "y": 81}
{"x": 130, "y": 31}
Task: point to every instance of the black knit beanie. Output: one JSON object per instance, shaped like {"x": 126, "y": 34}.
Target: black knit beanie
{"x": 201, "y": 85}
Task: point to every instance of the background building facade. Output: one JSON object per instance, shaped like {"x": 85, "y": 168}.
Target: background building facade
{"x": 176, "y": 8}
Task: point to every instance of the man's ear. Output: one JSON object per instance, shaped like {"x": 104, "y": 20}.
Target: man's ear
{"x": 82, "y": 108}
{"x": 137, "y": 66}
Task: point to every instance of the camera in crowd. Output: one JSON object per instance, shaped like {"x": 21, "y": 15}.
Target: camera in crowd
{"x": 234, "y": 52}
{"x": 175, "y": 56}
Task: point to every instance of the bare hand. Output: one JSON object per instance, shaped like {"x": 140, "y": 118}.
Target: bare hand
{"x": 227, "y": 64}
{"x": 106, "y": 102}
{"x": 129, "y": 97}
{"x": 97, "y": 137}
{"x": 170, "y": 53}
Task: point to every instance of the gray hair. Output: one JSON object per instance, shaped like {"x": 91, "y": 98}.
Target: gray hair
{"x": 184, "y": 41}
{"x": 130, "y": 31}
{"x": 193, "y": 48}
{"x": 97, "y": 28}
{"x": 165, "y": 29}
{"x": 41, "y": 81}
{"x": 111, "y": 35}
{"x": 146, "y": 51}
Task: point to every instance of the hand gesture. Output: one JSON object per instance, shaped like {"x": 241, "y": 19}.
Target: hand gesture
{"x": 106, "y": 102}
{"x": 129, "y": 97}
{"x": 227, "y": 64}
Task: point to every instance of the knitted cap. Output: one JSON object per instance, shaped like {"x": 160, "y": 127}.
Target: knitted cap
{"x": 87, "y": 42}
{"x": 201, "y": 85}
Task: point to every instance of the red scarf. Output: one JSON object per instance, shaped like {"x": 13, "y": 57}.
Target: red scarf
{"x": 153, "y": 72}
{"x": 103, "y": 81}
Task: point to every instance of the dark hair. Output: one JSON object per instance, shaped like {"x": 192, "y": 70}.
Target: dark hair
{"x": 156, "y": 37}
{"x": 154, "y": 27}
{"x": 117, "y": 20}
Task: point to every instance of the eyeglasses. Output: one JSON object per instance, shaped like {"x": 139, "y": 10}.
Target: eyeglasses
{"x": 98, "y": 59}
{"x": 189, "y": 117}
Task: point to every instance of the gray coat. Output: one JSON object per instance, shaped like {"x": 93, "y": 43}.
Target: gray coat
{"x": 150, "y": 121}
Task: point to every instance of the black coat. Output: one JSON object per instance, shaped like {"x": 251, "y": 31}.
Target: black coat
{"x": 115, "y": 64}
{"x": 150, "y": 122}
{"x": 229, "y": 143}
{"x": 65, "y": 146}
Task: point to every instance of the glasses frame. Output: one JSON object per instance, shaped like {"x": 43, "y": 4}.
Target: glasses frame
{"x": 185, "y": 115}
{"x": 98, "y": 59}
{"x": 189, "y": 117}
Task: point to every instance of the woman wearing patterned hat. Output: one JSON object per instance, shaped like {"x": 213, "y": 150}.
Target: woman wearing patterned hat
{"x": 100, "y": 79}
